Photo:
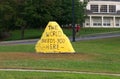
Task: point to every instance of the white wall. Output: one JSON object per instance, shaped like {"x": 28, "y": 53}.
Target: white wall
{"x": 82, "y": 0}
{"x": 104, "y": 3}
{"x": 118, "y": 7}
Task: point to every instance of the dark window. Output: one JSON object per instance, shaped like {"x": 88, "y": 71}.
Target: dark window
{"x": 106, "y": 24}
{"x": 87, "y": 24}
{"x": 103, "y": 8}
{"x": 94, "y": 24}
{"x": 97, "y": 24}
{"x": 117, "y": 24}
{"x": 94, "y": 8}
{"x": 112, "y": 8}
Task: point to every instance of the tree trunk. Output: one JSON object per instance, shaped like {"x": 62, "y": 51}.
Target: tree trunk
{"x": 22, "y": 32}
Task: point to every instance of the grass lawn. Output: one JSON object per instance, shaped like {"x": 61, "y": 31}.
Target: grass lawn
{"x": 39, "y": 75}
{"x": 87, "y": 31}
{"x": 101, "y": 55}
{"x": 36, "y": 33}
{"x": 29, "y": 34}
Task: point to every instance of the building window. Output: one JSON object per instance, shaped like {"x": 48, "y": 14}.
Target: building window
{"x": 107, "y": 22}
{"x": 117, "y": 22}
{"x": 103, "y": 8}
{"x": 97, "y": 24}
{"x": 112, "y": 8}
{"x": 97, "y": 21}
{"x": 94, "y": 8}
{"x": 87, "y": 24}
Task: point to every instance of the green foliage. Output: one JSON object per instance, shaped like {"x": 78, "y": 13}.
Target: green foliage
{"x": 80, "y": 15}
{"x": 6, "y": 15}
{"x": 6, "y": 18}
{"x": 37, "y": 13}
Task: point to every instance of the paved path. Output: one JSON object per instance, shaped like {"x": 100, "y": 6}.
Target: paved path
{"x": 58, "y": 71}
{"x": 88, "y": 37}
{"x": 30, "y": 41}
{"x": 98, "y": 36}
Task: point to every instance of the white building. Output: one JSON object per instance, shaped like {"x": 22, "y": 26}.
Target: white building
{"x": 103, "y": 13}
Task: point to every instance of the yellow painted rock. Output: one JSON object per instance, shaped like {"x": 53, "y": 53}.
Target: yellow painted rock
{"x": 53, "y": 40}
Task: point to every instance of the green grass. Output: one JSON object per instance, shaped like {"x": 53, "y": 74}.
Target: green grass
{"x": 17, "y": 48}
{"x": 107, "y": 46}
{"x": 36, "y": 33}
{"x": 42, "y": 75}
{"x": 60, "y": 64}
{"x": 87, "y": 31}
{"x": 103, "y": 56}
{"x": 29, "y": 34}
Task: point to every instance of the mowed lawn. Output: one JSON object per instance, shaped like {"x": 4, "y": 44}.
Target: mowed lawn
{"x": 36, "y": 33}
{"x": 101, "y": 55}
{"x": 43, "y": 75}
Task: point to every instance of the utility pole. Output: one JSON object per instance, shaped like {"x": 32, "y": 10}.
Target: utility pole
{"x": 73, "y": 20}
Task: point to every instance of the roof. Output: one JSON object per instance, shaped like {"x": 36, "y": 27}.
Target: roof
{"x": 115, "y": 13}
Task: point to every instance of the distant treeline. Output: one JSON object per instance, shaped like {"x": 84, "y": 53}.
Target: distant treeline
{"x": 21, "y": 14}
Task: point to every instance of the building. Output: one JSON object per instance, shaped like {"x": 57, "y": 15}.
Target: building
{"x": 103, "y": 13}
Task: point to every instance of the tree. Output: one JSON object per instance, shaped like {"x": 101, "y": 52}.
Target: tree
{"x": 63, "y": 11}
{"x": 20, "y": 16}
{"x": 43, "y": 11}
{"x": 6, "y": 16}
{"x": 37, "y": 13}
{"x": 25, "y": 13}
{"x": 80, "y": 14}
